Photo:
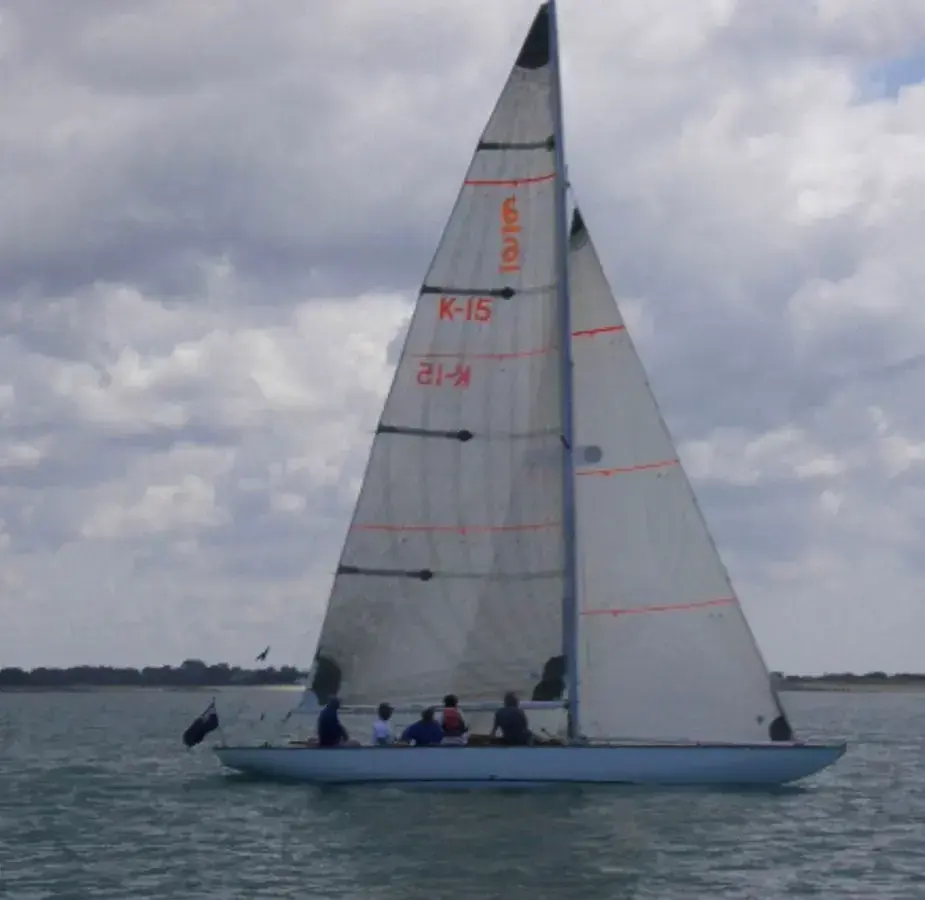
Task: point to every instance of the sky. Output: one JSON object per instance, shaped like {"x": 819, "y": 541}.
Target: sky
{"x": 215, "y": 218}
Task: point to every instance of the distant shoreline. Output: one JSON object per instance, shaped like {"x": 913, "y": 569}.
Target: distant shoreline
{"x": 123, "y": 688}
{"x": 854, "y": 687}
{"x": 830, "y": 687}
{"x": 193, "y": 674}
{"x": 196, "y": 677}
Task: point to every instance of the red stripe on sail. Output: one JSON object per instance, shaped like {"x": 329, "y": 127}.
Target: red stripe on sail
{"x": 623, "y": 470}
{"x": 507, "y": 182}
{"x": 539, "y": 351}
{"x": 676, "y": 607}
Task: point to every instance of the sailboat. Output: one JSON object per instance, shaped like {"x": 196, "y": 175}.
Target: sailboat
{"x": 524, "y": 523}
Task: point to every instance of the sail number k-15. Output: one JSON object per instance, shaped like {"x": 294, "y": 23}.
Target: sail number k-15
{"x": 438, "y": 375}
{"x": 472, "y": 309}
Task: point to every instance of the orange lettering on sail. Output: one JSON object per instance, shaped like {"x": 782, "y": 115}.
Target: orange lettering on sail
{"x": 472, "y": 309}
{"x": 438, "y": 375}
{"x": 510, "y": 236}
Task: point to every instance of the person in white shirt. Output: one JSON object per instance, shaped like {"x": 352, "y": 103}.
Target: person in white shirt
{"x": 382, "y": 731}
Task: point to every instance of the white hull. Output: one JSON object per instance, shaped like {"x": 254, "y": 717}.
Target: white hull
{"x": 619, "y": 763}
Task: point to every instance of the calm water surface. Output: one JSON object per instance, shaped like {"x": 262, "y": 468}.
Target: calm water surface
{"x": 98, "y": 799}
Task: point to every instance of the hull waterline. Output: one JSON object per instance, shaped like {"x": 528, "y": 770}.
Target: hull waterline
{"x": 639, "y": 764}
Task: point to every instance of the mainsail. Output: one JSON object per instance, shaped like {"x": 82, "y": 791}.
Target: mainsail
{"x": 665, "y": 651}
{"x": 451, "y": 575}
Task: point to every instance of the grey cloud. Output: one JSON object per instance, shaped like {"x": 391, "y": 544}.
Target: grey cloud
{"x": 224, "y": 135}
{"x": 749, "y": 518}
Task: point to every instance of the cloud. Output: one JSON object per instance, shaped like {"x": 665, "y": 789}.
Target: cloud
{"x": 214, "y": 221}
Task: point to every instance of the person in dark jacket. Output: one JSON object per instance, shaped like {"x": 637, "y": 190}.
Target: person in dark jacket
{"x": 511, "y": 721}
{"x": 330, "y": 731}
{"x": 425, "y": 732}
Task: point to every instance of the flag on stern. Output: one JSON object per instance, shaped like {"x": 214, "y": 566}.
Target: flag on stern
{"x": 201, "y": 726}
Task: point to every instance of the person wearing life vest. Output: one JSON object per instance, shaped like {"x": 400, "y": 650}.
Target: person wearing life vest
{"x": 452, "y": 721}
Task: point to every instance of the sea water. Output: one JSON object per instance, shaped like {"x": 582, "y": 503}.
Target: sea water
{"x": 99, "y": 799}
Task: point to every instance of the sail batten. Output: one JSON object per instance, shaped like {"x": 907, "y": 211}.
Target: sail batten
{"x": 506, "y": 292}
{"x": 420, "y": 574}
{"x": 427, "y": 574}
{"x": 461, "y": 435}
{"x": 466, "y": 435}
{"x": 548, "y": 144}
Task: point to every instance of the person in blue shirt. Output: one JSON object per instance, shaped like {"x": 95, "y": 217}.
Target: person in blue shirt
{"x": 425, "y": 732}
{"x": 330, "y": 731}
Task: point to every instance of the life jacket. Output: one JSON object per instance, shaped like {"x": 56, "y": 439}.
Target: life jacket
{"x": 452, "y": 721}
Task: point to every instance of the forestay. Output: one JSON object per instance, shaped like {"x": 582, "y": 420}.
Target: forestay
{"x": 665, "y": 651}
{"x": 451, "y": 575}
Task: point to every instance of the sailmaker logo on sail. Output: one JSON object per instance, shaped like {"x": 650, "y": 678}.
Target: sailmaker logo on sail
{"x": 510, "y": 236}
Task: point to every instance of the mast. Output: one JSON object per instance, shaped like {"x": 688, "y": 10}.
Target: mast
{"x": 570, "y": 581}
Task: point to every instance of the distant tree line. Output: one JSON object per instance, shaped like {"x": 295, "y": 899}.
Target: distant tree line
{"x": 854, "y": 678}
{"x": 196, "y": 673}
{"x": 192, "y": 673}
